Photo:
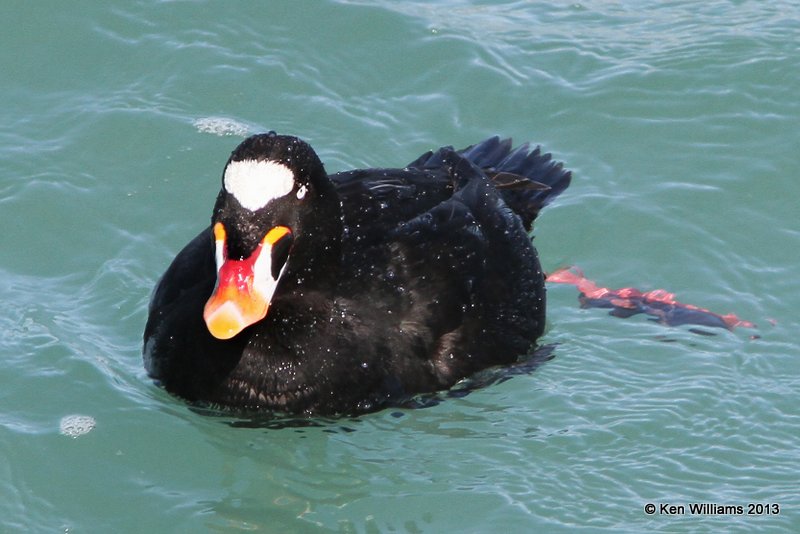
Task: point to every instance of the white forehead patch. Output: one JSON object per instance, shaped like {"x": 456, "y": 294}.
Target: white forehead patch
{"x": 254, "y": 183}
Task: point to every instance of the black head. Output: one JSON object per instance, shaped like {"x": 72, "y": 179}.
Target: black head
{"x": 269, "y": 180}
{"x": 277, "y": 218}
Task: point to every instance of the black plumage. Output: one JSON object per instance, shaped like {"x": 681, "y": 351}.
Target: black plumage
{"x": 397, "y": 282}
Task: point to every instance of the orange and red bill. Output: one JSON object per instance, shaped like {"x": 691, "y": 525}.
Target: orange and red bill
{"x": 244, "y": 286}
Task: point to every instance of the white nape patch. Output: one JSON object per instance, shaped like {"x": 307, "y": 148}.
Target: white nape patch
{"x": 254, "y": 183}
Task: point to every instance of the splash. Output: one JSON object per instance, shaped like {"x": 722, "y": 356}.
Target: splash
{"x": 628, "y": 301}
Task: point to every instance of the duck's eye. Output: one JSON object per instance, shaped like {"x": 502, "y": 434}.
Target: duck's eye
{"x": 301, "y": 192}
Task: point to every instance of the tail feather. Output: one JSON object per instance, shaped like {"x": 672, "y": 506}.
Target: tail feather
{"x": 510, "y": 170}
{"x": 515, "y": 161}
{"x": 488, "y": 153}
{"x": 495, "y": 156}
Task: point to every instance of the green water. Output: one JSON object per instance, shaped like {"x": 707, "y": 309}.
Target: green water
{"x": 680, "y": 121}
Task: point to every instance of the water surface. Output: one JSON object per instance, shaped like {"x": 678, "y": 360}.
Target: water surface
{"x": 679, "y": 120}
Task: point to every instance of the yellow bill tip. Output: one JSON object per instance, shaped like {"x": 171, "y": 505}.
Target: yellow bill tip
{"x": 225, "y": 321}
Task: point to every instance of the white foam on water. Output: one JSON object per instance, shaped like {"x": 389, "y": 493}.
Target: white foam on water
{"x": 76, "y": 425}
{"x": 221, "y": 126}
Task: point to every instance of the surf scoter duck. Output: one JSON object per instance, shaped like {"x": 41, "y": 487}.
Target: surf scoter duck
{"x": 318, "y": 294}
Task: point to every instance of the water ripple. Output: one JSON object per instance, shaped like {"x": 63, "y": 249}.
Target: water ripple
{"x": 679, "y": 120}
